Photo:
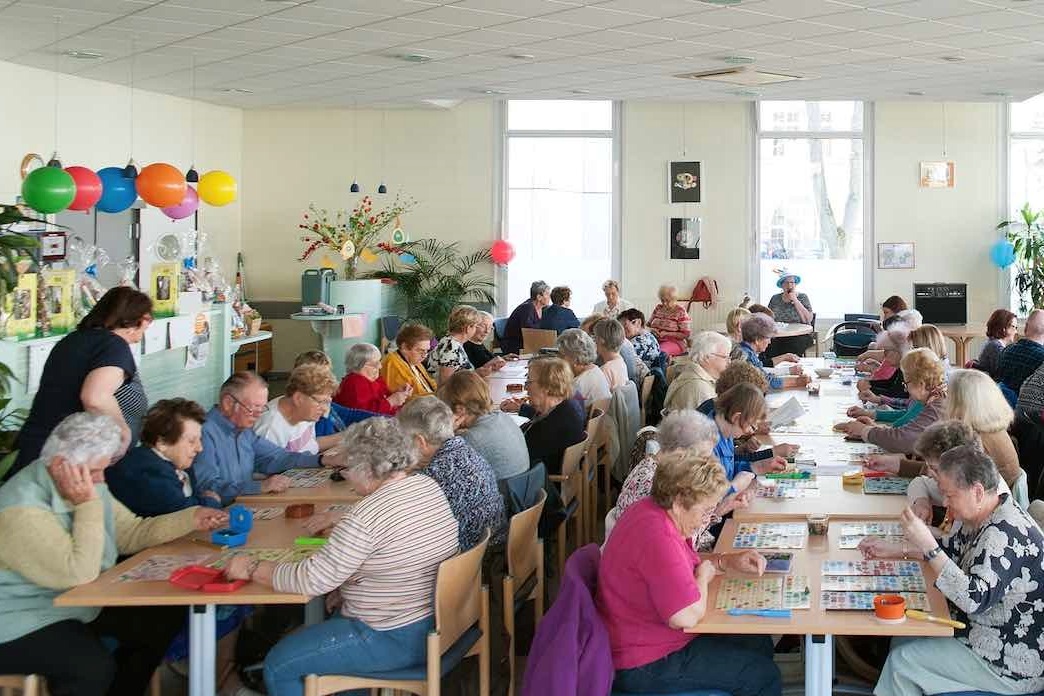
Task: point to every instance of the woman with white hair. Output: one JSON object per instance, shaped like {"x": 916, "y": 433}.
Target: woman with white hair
{"x": 887, "y": 381}
{"x": 479, "y": 355}
{"x": 579, "y": 351}
{"x": 614, "y": 304}
{"x": 465, "y": 477}
{"x": 60, "y": 527}
{"x": 379, "y": 566}
{"x": 694, "y": 383}
{"x": 669, "y": 322}
{"x": 363, "y": 387}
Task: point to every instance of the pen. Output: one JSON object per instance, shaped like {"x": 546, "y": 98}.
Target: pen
{"x": 789, "y": 475}
{"x": 768, "y": 613}
{"x": 922, "y": 616}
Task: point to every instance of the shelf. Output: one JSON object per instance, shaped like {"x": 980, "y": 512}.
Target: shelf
{"x": 237, "y": 343}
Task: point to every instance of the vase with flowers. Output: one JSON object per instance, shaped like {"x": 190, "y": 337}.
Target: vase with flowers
{"x": 352, "y": 235}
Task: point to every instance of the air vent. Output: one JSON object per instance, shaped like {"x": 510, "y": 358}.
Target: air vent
{"x": 740, "y": 76}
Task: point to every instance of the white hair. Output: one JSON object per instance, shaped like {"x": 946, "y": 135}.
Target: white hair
{"x": 687, "y": 429}
{"x": 428, "y": 417}
{"x": 360, "y": 354}
{"x": 82, "y": 438}
{"x": 577, "y": 346}
{"x": 911, "y": 318}
{"x": 377, "y": 446}
{"x": 707, "y": 343}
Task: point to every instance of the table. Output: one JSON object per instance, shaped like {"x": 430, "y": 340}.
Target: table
{"x": 835, "y": 499}
{"x": 514, "y": 372}
{"x": 818, "y": 625}
{"x": 961, "y": 335}
{"x": 784, "y": 331}
{"x": 255, "y": 340}
{"x": 329, "y": 492}
{"x": 107, "y": 592}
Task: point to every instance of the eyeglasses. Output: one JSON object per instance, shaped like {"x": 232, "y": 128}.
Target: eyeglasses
{"x": 720, "y": 355}
{"x": 252, "y": 410}
{"x": 325, "y": 403}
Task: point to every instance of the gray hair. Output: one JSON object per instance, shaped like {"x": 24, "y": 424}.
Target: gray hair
{"x": 968, "y": 465}
{"x": 576, "y": 346}
{"x": 537, "y": 289}
{"x": 707, "y": 343}
{"x": 82, "y": 438}
{"x": 610, "y": 284}
{"x": 610, "y": 333}
{"x": 943, "y": 436}
{"x": 428, "y": 417}
{"x": 377, "y": 446}
{"x": 896, "y": 338}
{"x": 757, "y": 327}
{"x": 486, "y": 315}
{"x": 911, "y": 318}
{"x": 360, "y": 354}
{"x": 240, "y": 381}
{"x": 687, "y": 429}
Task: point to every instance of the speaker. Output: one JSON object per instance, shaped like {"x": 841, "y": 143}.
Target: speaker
{"x": 942, "y": 303}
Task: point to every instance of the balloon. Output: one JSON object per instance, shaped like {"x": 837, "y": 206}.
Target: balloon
{"x": 408, "y": 258}
{"x": 118, "y": 193}
{"x": 48, "y": 190}
{"x": 186, "y": 207}
{"x": 161, "y": 185}
{"x": 1002, "y": 253}
{"x": 88, "y": 188}
{"x": 502, "y": 252}
{"x": 217, "y": 188}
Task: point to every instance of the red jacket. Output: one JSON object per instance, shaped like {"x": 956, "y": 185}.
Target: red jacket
{"x": 356, "y": 391}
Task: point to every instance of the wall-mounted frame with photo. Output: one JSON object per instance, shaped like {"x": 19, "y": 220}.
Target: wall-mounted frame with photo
{"x": 895, "y": 255}
{"x": 683, "y": 238}
{"x": 937, "y": 174}
{"x": 684, "y": 182}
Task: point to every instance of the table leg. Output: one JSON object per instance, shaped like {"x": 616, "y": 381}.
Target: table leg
{"x": 202, "y": 649}
{"x": 819, "y": 665}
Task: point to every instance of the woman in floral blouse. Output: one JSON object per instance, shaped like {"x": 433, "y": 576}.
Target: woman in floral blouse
{"x": 670, "y": 323}
{"x": 645, "y": 344}
{"x": 991, "y": 569}
{"x": 449, "y": 354}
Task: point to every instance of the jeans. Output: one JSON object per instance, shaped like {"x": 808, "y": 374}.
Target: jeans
{"x": 342, "y": 645}
{"x": 738, "y": 665}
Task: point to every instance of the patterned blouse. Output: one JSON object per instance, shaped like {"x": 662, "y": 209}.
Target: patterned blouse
{"x": 786, "y": 312}
{"x": 449, "y": 352}
{"x": 470, "y": 486}
{"x": 646, "y": 346}
{"x": 671, "y": 322}
{"x": 994, "y": 581}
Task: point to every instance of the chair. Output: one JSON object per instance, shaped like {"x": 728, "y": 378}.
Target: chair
{"x": 499, "y": 327}
{"x": 590, "y": 469}
{"x": 571, "y": 491}
{"x": 535, "y": 339}
{"x": 461, "y": 630}
{"x": 390, "y": 326}
{"x": 643, "y": 397}
{"x": 1020, "y": 490}
{"x": 522, "y": 491}
{"x": 850, "y": 338}
{"x": 524, "y": 579}
{"x": 22, "y": 684}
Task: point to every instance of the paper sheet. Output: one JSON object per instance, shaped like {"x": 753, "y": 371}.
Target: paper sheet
{"x": 38, "y": 353}
{"x": 181, "y": 331}
{"x": 789, "y": 412}
{"x": 155, "y": 338}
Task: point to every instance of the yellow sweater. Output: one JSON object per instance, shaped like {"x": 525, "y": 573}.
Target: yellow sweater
{"x": 397, "y": 373}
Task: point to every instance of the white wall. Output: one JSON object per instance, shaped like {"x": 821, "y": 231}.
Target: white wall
{"x": 94, "y": 131}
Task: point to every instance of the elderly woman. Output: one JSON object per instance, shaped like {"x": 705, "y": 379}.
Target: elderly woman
{"x": 60, "y": 527}
{"x": 464, "y": 476}
{"x": 669, "y": 322}
{"x": 363, "y": 387}
{"x": 652, "y": 587}
{"x": 479, "y": 355}
{"x": 289, "y": 420}
{"x": 380, "y": 562}
{"x": 790, "y": 306}
{"x": 525, "y": 316}
{"x": 92, "y": 369}
{"x": 926, "y": 381}
{"x": 449, "y": 355}
{"x": 608, "y": 338}
{"x": 887, "y": 380}
{"x": 405, "y": 366}
{"x": 560, "y": 419}
{"x": 614, "y": 304}
{"x": 738, "y": 412}
{"x": 757, "y": 332}
{"x": 156, "y": 477}
{"x": 580, "y": 353}
{"x": 646, "y": 347}
{"x": 1001, "y": 329}
{"x": 493, "y": 434}
{"x": 559, "y": 317}
{"x": 694, "y": 382}
{"x": 992, "y": 574}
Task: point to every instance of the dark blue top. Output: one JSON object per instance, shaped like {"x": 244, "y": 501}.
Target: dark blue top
{"x": 149, "y": 485}
{"x": 707, "y": 409}
{"x": 524, "y": 317}
{"x": 340, "y": 417}
{"x": 548, "y": 436}
{"x": 1018, "y": 361}
{"x": 558, "y": 318}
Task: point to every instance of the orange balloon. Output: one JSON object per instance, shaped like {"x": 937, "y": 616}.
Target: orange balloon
{"x": 161, "y": 185}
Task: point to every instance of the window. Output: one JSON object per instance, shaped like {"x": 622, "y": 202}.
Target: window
{"x": 1026, "y": 156}
{"x": 559, "y": 198}
{"x": 810, "y": 201}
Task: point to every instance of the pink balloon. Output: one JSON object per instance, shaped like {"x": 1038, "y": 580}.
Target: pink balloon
{"x": 188, "y": 205}
{"x": 502, "y": 252}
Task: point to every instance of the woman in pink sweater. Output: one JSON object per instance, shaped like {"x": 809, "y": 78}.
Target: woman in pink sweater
{"x": 670, "y": 323}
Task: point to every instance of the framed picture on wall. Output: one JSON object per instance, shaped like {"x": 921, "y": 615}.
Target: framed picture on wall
{"x": 892, "y": 255}
{"x": 937, "y": 174}
{"x": 683, "y": 238}
{"x": 684, "y": 183}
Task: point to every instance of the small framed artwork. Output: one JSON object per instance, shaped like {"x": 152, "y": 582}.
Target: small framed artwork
{"x": 52, "y": 246}
{"x": 684, "y": 238}
{"x": 895, "y": 255}
{"x": 937, "y": 174}
{"x": 684, "y": 182}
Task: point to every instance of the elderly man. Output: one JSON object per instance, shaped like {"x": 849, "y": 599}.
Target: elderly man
{"x": 525, "y": 316}
{"x": 233, "y": 452}
{"x": 1022, "y": 358}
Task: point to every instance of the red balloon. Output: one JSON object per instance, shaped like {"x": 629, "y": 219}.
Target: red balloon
{"x": 88, "y": 188}
{"x": 161, "y": 185}
{"x": 502, "y": 252}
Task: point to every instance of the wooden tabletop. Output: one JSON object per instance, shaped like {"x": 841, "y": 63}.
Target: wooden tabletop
{"x": 963, "y": 330}
{"x": 839, "y": 501}
{"x": 817, "y": 621}
{"x": 329, "y": 492}
{"x": 107, "y": 591}
{"x": 782, "y": 331}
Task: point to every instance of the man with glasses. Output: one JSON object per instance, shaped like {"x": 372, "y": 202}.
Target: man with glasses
{"x": 232, "y": 452}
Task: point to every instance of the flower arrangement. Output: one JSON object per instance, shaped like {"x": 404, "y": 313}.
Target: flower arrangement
{"x": 352, "y": 235}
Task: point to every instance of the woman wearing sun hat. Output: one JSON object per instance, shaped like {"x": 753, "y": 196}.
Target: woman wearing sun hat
{"x": 790, "y": 307}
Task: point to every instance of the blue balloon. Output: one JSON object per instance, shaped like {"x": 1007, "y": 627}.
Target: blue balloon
{"x": 1002, "y": 253}
{"x": 408, "y": 258}
{"x": 118, "y": 193}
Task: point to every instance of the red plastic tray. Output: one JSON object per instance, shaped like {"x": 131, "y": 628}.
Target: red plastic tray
{"x": 205, "y": 579}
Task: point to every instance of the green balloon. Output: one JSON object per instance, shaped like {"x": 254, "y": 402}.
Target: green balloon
{"x": 48, "y": 189}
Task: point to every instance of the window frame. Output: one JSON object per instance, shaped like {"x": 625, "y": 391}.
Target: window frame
{"x": 1007, "y": 210}
{"x": 501, "y": 178}
{"x": 867, "y": 137}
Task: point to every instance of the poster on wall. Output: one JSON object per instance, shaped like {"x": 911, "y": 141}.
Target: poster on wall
{"x": 683, "y": 238}
{"x": 895, "y": 255}
{"x": 199, "y": 347}
{"x": 684, "y": 182}
{"x": 937, "y": 174}
{"x": 57, "y": 295}
{"x": 164, "y": 289}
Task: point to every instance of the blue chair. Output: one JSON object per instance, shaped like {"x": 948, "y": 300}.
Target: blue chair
{"x": 499, "y": 327}
{"x": 390, "y": 326}
{"x": 522, "y": 491}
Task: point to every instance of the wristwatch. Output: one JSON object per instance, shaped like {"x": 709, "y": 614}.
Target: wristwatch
{"x": 933, "y": 553}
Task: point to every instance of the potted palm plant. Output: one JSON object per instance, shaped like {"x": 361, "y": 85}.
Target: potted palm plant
{"x": 1026, "y": 235}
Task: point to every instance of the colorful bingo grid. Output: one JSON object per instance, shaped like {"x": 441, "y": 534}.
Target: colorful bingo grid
{"x": 771, "y": 535}
{"x": 789, "y": 592}
{"x": 873, "y": 583}
{"x": 853, "y": 533}
{"x": 871, "y": 568}
{"x": 864, "y": 601}
{"x": 886, "y": 485}
{"x": 274, "y": 555}
{"x": 787, "y": 488}
{"x": 267, "y": 513}
{"x": 159, "y": 567}
{"x": 307, "y": 478}
{"x": 796, "y": 594}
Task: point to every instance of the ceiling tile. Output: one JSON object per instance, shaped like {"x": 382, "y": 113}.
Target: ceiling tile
{"x": 936, "y": 9}
{"x": 661, "y": 8}
{"x": 465, "y": 17}
{"x": 863, "y": 19}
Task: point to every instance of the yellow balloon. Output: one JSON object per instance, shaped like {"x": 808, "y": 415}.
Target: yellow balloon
{"x": 327, "y": 262}
{"x": 217, "y": 188}
{"x": 368, "y": 256}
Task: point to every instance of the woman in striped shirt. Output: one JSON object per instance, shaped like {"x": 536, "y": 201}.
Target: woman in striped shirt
{"x": 379, "y": 565}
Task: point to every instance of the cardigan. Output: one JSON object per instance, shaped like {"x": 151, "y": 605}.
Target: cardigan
{"x": 558, "y": 318}
{"x": 902, "y": 439}
{"x": 397, "y": 373}
{"x": 361, "y": 392}
{"x": 149, "y": 485}
{"x": 691, "y": 387}
{"x": 524, "y": 316}
{"x": 548, "y": 436}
